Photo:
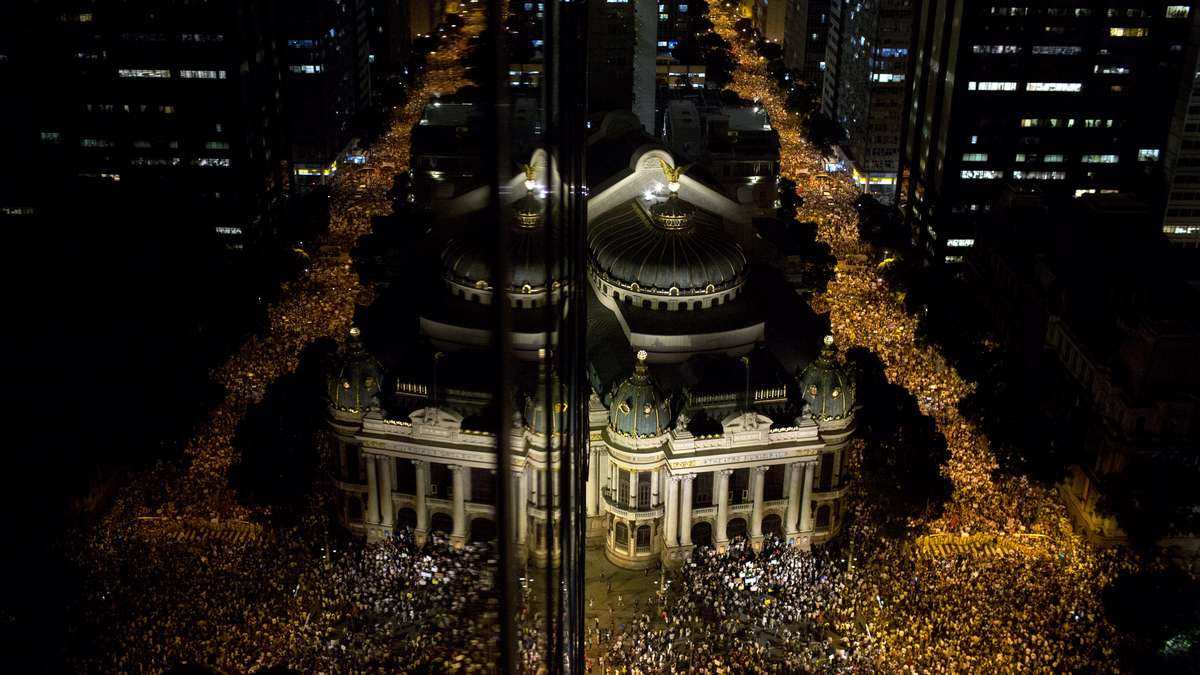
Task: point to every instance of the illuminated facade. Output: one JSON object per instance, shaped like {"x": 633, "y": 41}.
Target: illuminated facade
{"x": 699, "y": 432}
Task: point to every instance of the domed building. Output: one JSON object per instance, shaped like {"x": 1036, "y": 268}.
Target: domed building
{"x": 703, "y": 426}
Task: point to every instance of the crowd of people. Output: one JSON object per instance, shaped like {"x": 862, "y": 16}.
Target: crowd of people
{"x": 151, "y": 602}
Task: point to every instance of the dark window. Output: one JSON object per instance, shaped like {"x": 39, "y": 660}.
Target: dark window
{"x": 702, "y": 490}
{"x": 483, "y": 486}
{"x": 643, "y": 537}
{"x": 773, "y": 482}
{"x": 623, "y": 487}
{"x": 622, "y": 534}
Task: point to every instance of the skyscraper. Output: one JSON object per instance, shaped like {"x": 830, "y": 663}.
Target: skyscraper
{"x": 1073, "y": 99}
{"x": 863, "y": 90}
{"x": 172, "y": 103}
{"x": 328, "y": 82}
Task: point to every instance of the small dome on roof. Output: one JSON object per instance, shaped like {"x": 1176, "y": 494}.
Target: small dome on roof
{"x": 535, "y": 404}
{"x": 827, "y": 389}
{"x": 637, "y": 407}
{"x": 356, "y": 378}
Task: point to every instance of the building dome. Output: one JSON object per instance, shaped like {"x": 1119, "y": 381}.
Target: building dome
{"x": 355, "y": 379}
{"x": 467, "y": 260}
{"x": 828, "y": 390}
{"x": 636, "y": 407}
{"x": 535, "y": 404}
{"x": 671, "y": 248}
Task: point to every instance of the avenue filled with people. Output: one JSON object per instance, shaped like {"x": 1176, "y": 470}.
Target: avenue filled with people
{"x": 293, "y": 597}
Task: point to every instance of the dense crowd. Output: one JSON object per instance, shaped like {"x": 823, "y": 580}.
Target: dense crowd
{"x": 151, "y": 602}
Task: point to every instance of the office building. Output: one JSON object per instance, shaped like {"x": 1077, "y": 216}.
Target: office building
{"x": 1181, "y": 224}
{"x": 328, "y": 82}
{"x": 1075, "y": 99}
{"x": 866, "y": 62}
{"x": 178, "y": 104}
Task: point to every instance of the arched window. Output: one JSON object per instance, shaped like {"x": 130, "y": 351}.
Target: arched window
{"x": 643, "y": 538}
{"x": 622, "y": 538}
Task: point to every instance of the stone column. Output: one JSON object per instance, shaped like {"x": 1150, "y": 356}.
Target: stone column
{"x": 837, "y": 469}
{"x": 632, "y": 538}
{"x": 685, "y": 510}
{"x": 536, "y": 484}
{"x": 460, "y": 502}
{"x": 466, "y": 483}
{"x": 633, "y": 500}
{"x": 760, "y": 473}
{"x": 522, "y": 506}
{"x": 722, "y": 483}
{"x": 593, "y": 483}
{"x": 671, "y": 514}
{"x": 806, "y": 499}
{"x": 386, "y": 508}
{"x": 655, "y": 491}
{"x": 793, "y": 508}
{"x": 372, "y": 491}
{"x": 422, "y": 478}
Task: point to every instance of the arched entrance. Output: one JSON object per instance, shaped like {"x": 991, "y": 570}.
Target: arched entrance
{"x": 773, "y": 524}
{"x": 406, "y": 518}
{"x": 441, "y": 522}
{"x": 736, "y": 528}
{"x": 483, "y": 530}
{"x": 702, "y": 534}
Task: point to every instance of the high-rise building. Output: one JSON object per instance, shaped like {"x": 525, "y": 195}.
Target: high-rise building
{"x": 1182, "y": 221}
{"x": 622, "y": 51}
{"x": 801, "y": 27}
{"x": 328, "y": 82}
{"x": 1075, "y": 99}
{"x": 866, "y": 62}
{"x": 167, "y": 103}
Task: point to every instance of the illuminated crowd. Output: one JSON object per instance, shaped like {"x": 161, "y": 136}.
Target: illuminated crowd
{"x": 873, "y": 606}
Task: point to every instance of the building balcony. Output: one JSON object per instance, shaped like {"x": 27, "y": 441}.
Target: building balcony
{"x": 628, "y": 512}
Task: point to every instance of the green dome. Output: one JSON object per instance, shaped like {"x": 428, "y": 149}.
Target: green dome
{"x": 355, "y": 379}
{"x": 637, "y": 407}
{"x": 827, "y": 389}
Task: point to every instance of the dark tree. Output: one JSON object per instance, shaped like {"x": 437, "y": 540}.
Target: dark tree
{"x": 277, "y": 436}
{"x": 1158, "y": 613}
{"x": 823, "y": 132}
{"x": 1154, "y": 497}
{"x": 903, "y": 450}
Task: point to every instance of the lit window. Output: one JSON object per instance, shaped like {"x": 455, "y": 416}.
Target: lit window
{"x": 996, "y": 49}
{"x": 211, "y": 161}
{"x": 1030, "y": 122}
{"x": 1148, "y": 155}
{"x": 1053, "y": 159}
{"x": 216, "y": 145}
{"x": 51, "y": 137}
{"x": 662, "y": 17}
{"x": 1039, "y": 175}
{"x": 306, "y": 69}
{"x": 96, "y": 143}
{"x": 954, "y": 258}
{"x": 1020, "y": 157}
{"x": 1118, "y": 31}
{"x": 228, "y": 230}
{"x": 961, "y": 243}
{"x": 143, "y": 72}
{"x": 974, "y": 140}
{"x": 981, "y": 174}
{"x": 975, "y": 157}
{"x": 992, "y": 86}
{"x": 1010, "y": 11}
{"x": 206, "y": 37}
{"x": 1178, "y": 11}
{"x": 309, "y": 44}
{"x": 1111, "y": 70}
{"x": 202, "y": 74}
{"x": 1054, "y": 86}
{"x": 1057, "y": 50}
{"x": 683, "y": 8}
{"x": 1099, "y": 159}
{"x": 618, "y": 2}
